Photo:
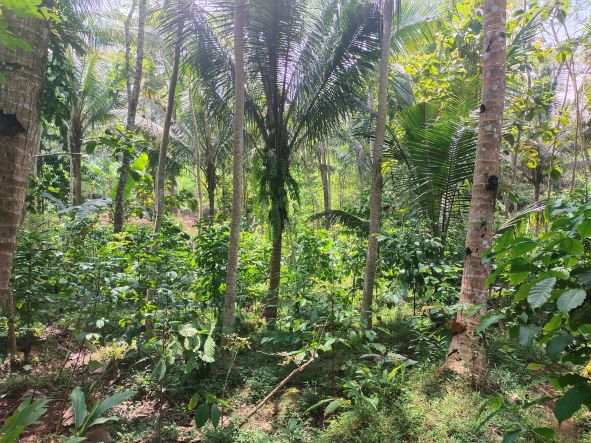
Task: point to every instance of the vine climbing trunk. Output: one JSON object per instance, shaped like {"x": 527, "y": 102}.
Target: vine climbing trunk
{"x": 162, "y": 154}
{"x": 133, "y": 96}
{"x": 21, "y": 82}
{"x": 239, "y": 84}
{"x": 465, "y": 354}
{"x": 375, "y": 201}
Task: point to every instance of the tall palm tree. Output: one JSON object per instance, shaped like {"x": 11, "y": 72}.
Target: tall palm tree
{"x": 133, "y": 94}
{"x": 22, "y": 71}
{"x": 375, "y": 202}
{"x": 465, "y": 354}
{"x": 90, "y": 104}
{"x": 160, "y": 174}
{"x": 285, "y": 103}
{"x": 239, "y": 79}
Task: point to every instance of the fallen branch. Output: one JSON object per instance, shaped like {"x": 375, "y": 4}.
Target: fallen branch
{"x": 276, "y": 389}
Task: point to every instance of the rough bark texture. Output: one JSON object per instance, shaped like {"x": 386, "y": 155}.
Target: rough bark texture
{"x": 465, "y": 354}
{"x": 375, "y": 201}
{"x": 20, "y": 129}
{"x": 239, "y": 84}
{"x": 133, "y": 96}
{"x": 161, "y": 173}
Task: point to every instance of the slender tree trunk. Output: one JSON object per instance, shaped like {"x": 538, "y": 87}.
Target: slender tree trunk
{"x": 323, "y": 169}
{"x": 272, "y": 302}
{"x": 133, "y": 97}
{"x": 20, "y": 129}
{"x": 375, "y": 202}
{"x": 210, "y": 176}
{"x": 239, "y": 80}
{"x": 161, "y": 173}
{"x": 76, "y": 138}
{"x": 197, "y": 158}
{"x": 465, "y": 354}
{"x": 222, "y": 202}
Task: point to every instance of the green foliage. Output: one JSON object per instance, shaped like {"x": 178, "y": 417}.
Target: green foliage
{"x": 27, "y": 414}
{"x": 550, "y": 304}
{"x": 84, "y": 419}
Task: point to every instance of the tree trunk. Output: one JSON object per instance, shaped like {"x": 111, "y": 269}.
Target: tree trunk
{"x": 197, "y": 159}
{"x": 272, "y": 302}
{"x": 20, "y": 129}
{"x": 239, "y": 79}
{"x": 465, "y": 354}
{"x": 161, "y": 173}
{"x": 210, "y": 176}
{"x": 76, "y": 138}
{"x": 375, "y": 201}
{"x": 133, "y": 96}
{"x": 323, "y": 169}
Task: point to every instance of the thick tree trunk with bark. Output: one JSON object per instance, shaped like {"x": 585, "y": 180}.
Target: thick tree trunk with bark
{"x": 239, "y": 84}
{"x": 375, "y": 201}
{"x": 465, "y": 354}
{"x": 161, "y": 173}
{"x": 20, "y": 129}
{"x": 133, "y": 96}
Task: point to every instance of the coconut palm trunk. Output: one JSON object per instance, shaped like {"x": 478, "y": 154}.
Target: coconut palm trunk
{"x": 375, "y": 201}
{"x": 239, "y": 81}
{"x": 20, "y": 129}
{"x": 161, "y": 173}
{"x": 465, "y": 354}
{"x": 133, "y": 96}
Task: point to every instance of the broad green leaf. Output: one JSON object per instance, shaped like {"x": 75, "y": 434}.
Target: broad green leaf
{"x": 159, "y": 370}
{"x": 567, "y": 405}
{"x": 558, "y": 344}
{"x": 78, "y": 407}
{"x": 487, "y": 320}
{"x": 503, "y": 241}
{"x": 333, "y": 406}
{"x": 571, "y": 299}
{"x": 511, "y": 436}
{"x": 25, "y": 415}
{"x": 570, "y": 246}
{"x": 216, "y": 413}
{"x": 201, "y": 415}
{"x": 522, "y": 245}
{"x": 584, "y": 228}
{"x": 114, "y": 400}
{"x": 540, "y": 292}
{"x": 208, "y": 354}
{"x": 527, "y": 334}
{"x": 547, "y": 433}
{"x": 187, "y": 330}
{"x": 193, "y": 401}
